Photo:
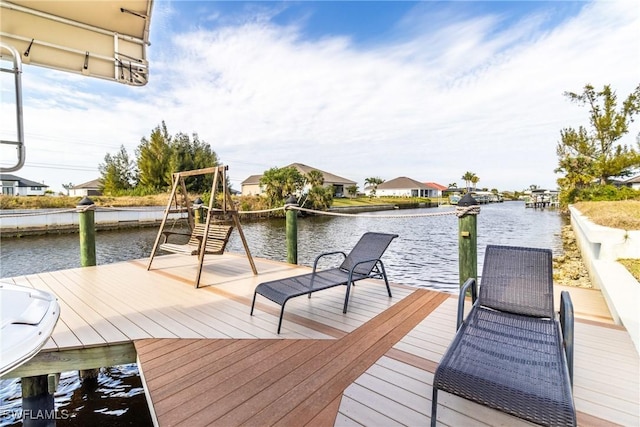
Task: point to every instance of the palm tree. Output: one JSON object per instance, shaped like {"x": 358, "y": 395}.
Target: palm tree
{"x": 474, "y": 180}
{"x": 468, "y": 176}
{"x": 373, "y": 181}
{"x": 315, "y": 178}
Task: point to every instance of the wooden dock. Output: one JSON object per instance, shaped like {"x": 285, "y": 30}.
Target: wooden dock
{"x": 201, "y": 354}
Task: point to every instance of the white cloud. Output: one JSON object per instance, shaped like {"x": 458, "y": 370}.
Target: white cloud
{"x": 467, "y": 95}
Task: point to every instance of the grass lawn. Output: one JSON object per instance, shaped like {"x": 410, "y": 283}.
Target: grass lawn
{"x": 623, "y": 214}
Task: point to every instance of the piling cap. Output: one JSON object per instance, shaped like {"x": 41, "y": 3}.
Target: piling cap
{"x": 467, "y": 200}
{"x": 291, "y": 200}
{"x": 85, "y": 201}
{"x": 197, "y": 203}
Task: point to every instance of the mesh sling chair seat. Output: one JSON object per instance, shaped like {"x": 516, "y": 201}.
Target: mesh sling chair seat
{"x": 511, "y": 353}
{"x": 361, "y": 263}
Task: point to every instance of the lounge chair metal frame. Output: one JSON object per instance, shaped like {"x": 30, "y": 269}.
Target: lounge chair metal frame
{"x": 363, "y": 262}
{"x": 510, "y": 352}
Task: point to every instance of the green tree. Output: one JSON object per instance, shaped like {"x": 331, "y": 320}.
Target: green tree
{"x": 373, "y": 181}
{"x": 154, "y": 164}
{"x": 319, "y": 197}
{"x": 117, "y": 173}
{"x": 352, "y": 190}
{"x": 595, "y": 154}
{"x": 314, "y": 178}
{"x": 187, "y": 153}
{"x": 279, "y": 183}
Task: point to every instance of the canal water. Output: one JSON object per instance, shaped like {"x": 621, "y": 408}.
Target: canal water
{"x": 425, "y": 255}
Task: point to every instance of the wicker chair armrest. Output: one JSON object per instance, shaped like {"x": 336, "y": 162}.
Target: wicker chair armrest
{"x": 315, "y": 262}
{"x": 566, "y": 324}
{"x": 470, "y": 283}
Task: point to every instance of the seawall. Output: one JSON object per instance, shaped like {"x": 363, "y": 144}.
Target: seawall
{"x": 601, "y": 247}
{"x": 25, "y": 222}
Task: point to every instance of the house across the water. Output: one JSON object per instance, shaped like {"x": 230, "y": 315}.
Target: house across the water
{"x": 16, "y": 186}
{"x": 90, "y": 188}
{"x": 408, "y": 187}
{"x": 251, "y": 186}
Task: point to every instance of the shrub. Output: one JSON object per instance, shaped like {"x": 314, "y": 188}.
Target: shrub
{"x": 599, "y": 193}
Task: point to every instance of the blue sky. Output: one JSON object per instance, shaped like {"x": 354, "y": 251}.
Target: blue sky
{"x": 427, "y": 90}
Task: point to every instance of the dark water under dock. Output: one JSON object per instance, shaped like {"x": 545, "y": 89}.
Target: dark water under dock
{"x": 425, "y": 254}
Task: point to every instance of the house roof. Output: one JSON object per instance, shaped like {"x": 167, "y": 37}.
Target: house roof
{"x": 435, "y": 186}
{"x": 401, "y": 182}
{"x": 21, "y": 181}
{"x": 329, "y": 178}
{"x": 252, "y": 180}
{"x": 93, "y": 184}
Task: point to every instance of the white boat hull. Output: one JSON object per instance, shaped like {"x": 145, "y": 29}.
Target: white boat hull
{"x": 28, "y": 318}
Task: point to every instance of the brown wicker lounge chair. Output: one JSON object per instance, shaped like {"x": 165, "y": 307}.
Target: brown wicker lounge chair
{"x": 362, "y": 262}
{"x": 511, "y": 353}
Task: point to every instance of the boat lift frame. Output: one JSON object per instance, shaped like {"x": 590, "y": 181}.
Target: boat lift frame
{"x": 17, "y": 72}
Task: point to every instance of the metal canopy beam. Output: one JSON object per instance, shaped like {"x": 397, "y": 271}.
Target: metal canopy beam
{"x": 104, "y": 39}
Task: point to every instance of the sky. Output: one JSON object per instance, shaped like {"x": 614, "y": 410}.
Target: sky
{"x": 427, "y": 90}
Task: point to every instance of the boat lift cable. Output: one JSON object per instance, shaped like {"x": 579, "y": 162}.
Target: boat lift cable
{"x": 17, "y": 72}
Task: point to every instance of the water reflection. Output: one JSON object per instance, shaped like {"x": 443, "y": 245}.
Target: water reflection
{"x": 424, "y": 254}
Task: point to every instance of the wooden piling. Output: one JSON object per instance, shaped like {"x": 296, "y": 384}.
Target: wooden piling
{"x": 198, "y": 211}
{"x": 37, "y": 402}
{"x": 467, "y": 210}
{"x": 86, "y": 222}
{"x": 292, "y": 230}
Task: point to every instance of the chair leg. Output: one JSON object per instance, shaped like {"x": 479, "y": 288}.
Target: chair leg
{"x": 280, "y": 321}
{"x": 386, "y": 281}
{"x": 253, "y": 303}
{"x": 434, "y": 406}
{"x": 346, "y": 298}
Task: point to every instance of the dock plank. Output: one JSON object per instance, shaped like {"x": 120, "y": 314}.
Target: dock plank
{"x": 161, "y": 304}
{"x": 83, "y": 331}
{"x": 309, "y": 378}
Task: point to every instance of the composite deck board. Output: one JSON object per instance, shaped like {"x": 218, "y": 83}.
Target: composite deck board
{"x": 597, "y": 403}
{"x": 310, "y": 377}
{"x": 88, "y": 307}
{"x": 177, "y": 319}
{"x": 100, "y": 304}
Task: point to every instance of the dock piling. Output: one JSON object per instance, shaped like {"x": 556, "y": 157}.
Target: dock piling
{"x": 292, "y": 230}
{"x": 198, "y": 210}
{"x": 86, "y": 222}
{"x": 467, "y": 211}
{"x": 37, "y": 402}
